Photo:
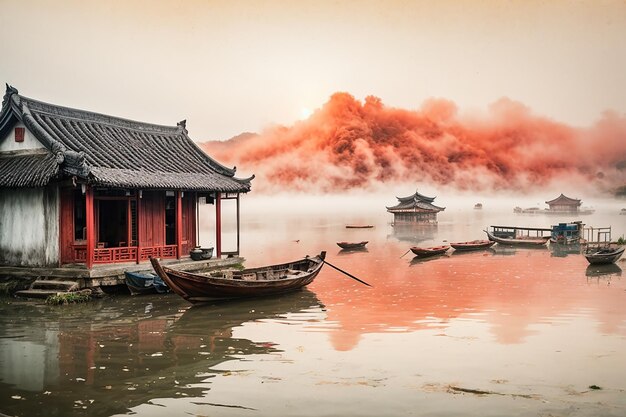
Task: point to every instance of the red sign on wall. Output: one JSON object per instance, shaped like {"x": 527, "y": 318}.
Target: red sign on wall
{"x": 19, "y": 134}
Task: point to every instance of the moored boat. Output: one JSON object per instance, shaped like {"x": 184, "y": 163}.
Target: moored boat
{"x": 145, "y": 283}
{"x": 352, "y": 245}
{"x": 509, "y": 236}
{"x": 359, "y": 226}
{"x": 430, "y": 251}
{"x": 252, "y": 282}
{"x": 604, "y": 255}
{"x": 472, "y": 245}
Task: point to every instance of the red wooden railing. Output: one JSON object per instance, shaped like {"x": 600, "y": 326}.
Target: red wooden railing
{"x": 123, "y": 254}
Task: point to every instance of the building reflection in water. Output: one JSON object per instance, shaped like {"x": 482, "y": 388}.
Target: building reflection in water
{"x": 413, "y": 233}
{"x": 125, "y": 354}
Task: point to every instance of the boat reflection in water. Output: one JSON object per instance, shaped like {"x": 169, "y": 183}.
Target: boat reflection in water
{"x": 507, "y": 250}
{"x": 343, "y": 252}
{"x": 477, "y": 252}
{"x": 603, "y": 271}
{"x": 561, "y": 251}
{"x": 129, "y": 352}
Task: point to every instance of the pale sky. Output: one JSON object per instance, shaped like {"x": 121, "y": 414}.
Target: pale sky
{"x": 234, "y": 66}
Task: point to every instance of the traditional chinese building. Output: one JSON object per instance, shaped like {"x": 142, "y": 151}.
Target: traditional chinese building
{"x": 78, "y": 187}
{"x": 564, "y": 204}
{"x": 415, "y": 209}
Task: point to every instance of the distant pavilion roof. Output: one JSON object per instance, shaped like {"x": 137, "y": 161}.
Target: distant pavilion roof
{"x": 415, "y": 202}
{"x": 563, "y": 200}
{"x": 107, "y": 151}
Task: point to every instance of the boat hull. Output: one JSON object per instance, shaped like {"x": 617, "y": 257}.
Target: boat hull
{"x": 473, "y": 245}
{"x": 604, "y": 256}
{"x": 428, "y": 252}
{"x": 248, "y": 283}
{"x": 518, "y": 242}
{"x": 141, "y": 283}
{"x": 349, "y": 245}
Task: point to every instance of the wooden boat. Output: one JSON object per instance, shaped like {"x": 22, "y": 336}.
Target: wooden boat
{"x": 252, "y": 282}
{"x": 145, "y": 283}
{"x": 519, "y": 241}
{"x": 472, "y": 245}
{"x": 478, "y": 206}
{"x": 356, "y": 226}
{"x": 431, "y": 251}
{"x": 604, "y": 255}
{"x": 350, "y": 245}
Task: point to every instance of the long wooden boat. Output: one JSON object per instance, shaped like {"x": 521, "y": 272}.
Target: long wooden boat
{"x": 252, "y": 282}
{"x": 472, "y": 245}
{"x": 352, "y": 245}
{"x": 431, "y": 251}
{"x": 519, "y": 241}
{"x": 358, "y": 226}
{"x": 145, "y": 283}
{"x": 606, "y": 255}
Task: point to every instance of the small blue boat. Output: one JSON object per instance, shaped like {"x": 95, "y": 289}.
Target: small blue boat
{"x": 145, "y": 283}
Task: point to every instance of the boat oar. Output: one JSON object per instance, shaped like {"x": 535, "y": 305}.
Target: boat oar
{"x": 405, "y": 254}
{"x": 347, "y": 273}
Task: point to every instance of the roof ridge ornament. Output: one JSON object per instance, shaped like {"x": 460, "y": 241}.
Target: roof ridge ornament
{"x": 7, "y": 95}
{"x": 182, "y": 125}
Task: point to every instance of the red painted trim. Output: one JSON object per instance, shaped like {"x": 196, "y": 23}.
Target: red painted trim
{"x": 179, "y": 224}
{"x": 89, "y": 208}
{"x": 138, "y": 208}
{"x": 218, "y": 225}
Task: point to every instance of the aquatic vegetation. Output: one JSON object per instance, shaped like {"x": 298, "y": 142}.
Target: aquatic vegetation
{"x": 64, "y": 298}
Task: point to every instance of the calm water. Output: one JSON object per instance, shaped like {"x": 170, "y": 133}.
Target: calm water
{"x": 515, "y": 332}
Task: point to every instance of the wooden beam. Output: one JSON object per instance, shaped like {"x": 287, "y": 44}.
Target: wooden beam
{"x": 91, "y": 232}
{"x": 179, "y": 223}
{"x": 218, "y": 224}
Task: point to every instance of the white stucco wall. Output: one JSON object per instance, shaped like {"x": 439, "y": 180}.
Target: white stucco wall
{"x": 8, "y": 143}
{"x": 29, "y": 226}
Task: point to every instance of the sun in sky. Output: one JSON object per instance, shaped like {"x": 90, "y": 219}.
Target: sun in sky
{"x": 305, "y": 113}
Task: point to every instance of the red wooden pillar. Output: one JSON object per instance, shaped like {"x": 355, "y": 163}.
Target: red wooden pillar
{"x": 238, "y": 223}
{"x": 179, "y": 223}
{"x": 138, "y": 217}
{"x": 91, "y": 227}
{"x": 218, "y": 224}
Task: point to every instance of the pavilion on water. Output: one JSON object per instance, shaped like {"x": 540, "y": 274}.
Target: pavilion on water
{"x": 415, "y": 209}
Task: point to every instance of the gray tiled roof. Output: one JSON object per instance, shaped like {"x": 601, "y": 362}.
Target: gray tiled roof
{"x": 116, "y": 152}
{"x": 415, "y": 202}
{"x": 27, "y": 170}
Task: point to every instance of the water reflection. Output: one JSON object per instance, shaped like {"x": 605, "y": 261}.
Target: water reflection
{"x": 483, "y": 252}
{"x": 126, "y": 352}
{"x": 507, "y": 250}
{"x": 416, "y": 260}
{"x": 562, "y": 251}
{"x": 413, "y": 233}
{"x": 603, "y": 271}
{"x": 344, "y": 252}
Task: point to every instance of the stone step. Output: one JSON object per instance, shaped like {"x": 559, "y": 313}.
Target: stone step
{"x": 37, "y": 293}
{"x": 58, "y": 286}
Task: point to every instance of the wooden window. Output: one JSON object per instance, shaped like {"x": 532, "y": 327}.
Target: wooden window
{"x": 19, "y": 134}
